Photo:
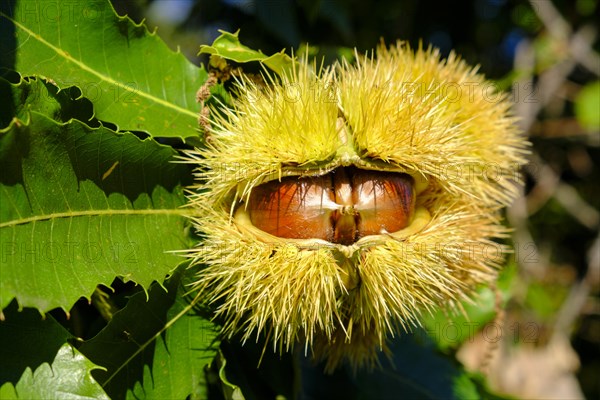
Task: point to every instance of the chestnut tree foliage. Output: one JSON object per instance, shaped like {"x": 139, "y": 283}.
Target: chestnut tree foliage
{"x": 95, "y": 112}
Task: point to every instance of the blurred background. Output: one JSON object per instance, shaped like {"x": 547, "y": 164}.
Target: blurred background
{"x": 546, "y": 55}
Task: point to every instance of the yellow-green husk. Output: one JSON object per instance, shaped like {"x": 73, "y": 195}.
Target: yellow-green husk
{"x": 402, "y": 110}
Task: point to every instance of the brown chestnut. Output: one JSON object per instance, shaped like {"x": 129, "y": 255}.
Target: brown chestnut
{"x": 340, "y": 207}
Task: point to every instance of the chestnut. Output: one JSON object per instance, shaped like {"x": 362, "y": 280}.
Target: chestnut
{"x": 341, "y": 207}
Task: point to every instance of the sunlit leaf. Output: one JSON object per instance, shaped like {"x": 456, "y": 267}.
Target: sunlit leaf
{"x": 67, "y": 377}
{"x": 28, "y": 340}
{"x": 37, "y": 94}
{"x": 131, "y": 76}
{"x": 81, "y": 206}
{"x": 229, "y": 47}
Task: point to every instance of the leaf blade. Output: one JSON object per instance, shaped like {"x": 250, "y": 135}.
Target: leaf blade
{"x": 152, "y": 88}
{"x": 156, "y": 347}
{"x": 179, "y": 358}
{"x": 229, "y": 47}
{"x": 70, "y": 225}
{"x": 68, "y": 377}
{"x": 19, "y": 330}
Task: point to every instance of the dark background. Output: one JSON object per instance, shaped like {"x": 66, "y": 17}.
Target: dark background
{"x": 484, "y": 32}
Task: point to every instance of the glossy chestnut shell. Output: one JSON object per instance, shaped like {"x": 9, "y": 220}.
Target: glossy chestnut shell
{"x": 341, "y": 207}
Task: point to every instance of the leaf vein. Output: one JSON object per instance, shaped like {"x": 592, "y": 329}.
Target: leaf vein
{"x": 70, "y": 214}
{"x": 108, "y": 79}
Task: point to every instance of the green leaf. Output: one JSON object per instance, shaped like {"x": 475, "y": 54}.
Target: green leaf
{"x": 28, "y": 340}
{"x": 545, "y": 299}
{"x": 230, "y": 390}
{"x": 450, "y": 331}
{"x": 177, "y": 369}
{"x": 140, "y": 354}
{"x": 81, "y": 206}
{"x": 131, "y": 76}
{"x": 126, "y": 344}
{"x": 587, "y": 106}
{"x": 229, "y": 47}
{"x": 7, "y": 391}
{"x": 252, "y": 371}
{"x": 68, "y": 377}
{"x": 43, "y": 96}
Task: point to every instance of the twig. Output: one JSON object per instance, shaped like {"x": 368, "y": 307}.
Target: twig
{"x": 580, "y": 42}
{"x": 578, "y": 295}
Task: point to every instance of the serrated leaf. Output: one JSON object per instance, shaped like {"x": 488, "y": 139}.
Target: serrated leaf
{"x": 229, "y": 47}
{"x": 81, "y": 206}
{"x": 44, "y": 97}
{"x": 8, "y": 392}
{"x": 168, "y": 366}
{"x": 131, "y": 76}
{"x": 28, "y": 340}
{"x": 180, "y": 355}
{"x": 126, "y": 344}
{"x": 68, "y": 377}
